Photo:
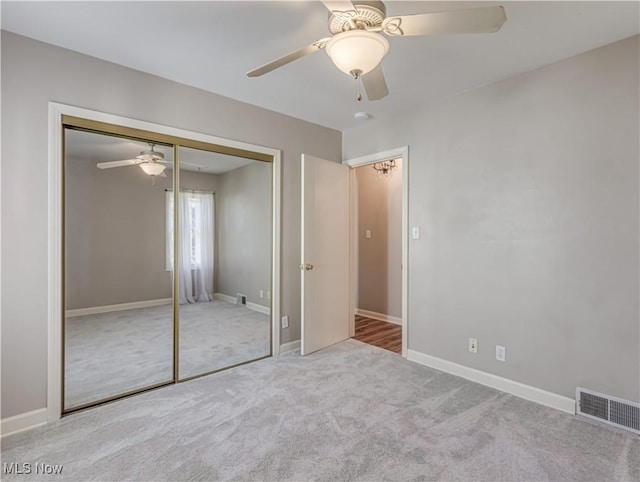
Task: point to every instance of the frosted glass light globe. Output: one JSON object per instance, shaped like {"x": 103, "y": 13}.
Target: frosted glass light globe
{"x": 357, "y": 50}
{"x": 152, "y": 168}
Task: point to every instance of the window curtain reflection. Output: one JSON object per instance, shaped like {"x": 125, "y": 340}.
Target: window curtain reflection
{"x": 196, "y": 231}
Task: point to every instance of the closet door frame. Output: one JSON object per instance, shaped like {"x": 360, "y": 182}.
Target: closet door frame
{"x": 62, "y": 116}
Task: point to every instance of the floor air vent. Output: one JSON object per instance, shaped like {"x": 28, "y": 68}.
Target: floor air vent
{"x": 612, "y": 410}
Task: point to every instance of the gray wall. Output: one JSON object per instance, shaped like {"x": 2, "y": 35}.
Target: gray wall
{"x": 34, "y": 73}
{"x": 243, "y": 202}
{"x": 526, "y": 191}
{"x": 380, "y": 256}
{"x": 103, "y": 266}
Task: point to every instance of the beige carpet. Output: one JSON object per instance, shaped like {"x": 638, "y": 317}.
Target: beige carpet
{"x": 350, "y": 412}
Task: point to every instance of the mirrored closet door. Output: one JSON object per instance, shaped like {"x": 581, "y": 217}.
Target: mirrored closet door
{"x": 160, "y": 284}
{"x": 118, "y": 326}
{"x": 224, "y": 261}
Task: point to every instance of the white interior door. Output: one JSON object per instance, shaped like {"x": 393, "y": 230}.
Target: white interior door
{"x": 325, "y": 253}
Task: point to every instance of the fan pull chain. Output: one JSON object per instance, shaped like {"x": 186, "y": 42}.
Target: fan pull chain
{"x": 356, "y": 74}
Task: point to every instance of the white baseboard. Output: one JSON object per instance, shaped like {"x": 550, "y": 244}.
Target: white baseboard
{"x": 289, "y": 347}
{"x": 227, "y": 298}
{"x": 259, "y": 308}
{"x": 379, "y": 316}
{"x": 252, "y": 306}
{"x": 22, "y": 422}
{"x": 94, "y": 310}
{"x": 533, "y": 394}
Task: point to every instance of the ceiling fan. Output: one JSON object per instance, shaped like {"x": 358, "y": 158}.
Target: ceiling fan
{"x": 357, "y": 45}
{"x": 150, "y": 161}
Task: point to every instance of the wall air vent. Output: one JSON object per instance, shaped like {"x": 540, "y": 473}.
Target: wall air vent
{"x": 241, "y": 299}
{"x": 611, "y": 410}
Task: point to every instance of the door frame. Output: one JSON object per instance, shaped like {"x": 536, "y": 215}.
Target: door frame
{"x": 55, "y": 246}
{"x": 400, "y": 152}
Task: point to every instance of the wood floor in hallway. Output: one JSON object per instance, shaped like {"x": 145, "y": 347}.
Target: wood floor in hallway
{"x": 379, "y": 333}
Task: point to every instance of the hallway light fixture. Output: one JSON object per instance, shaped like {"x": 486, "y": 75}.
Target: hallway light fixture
{"x": 385, "y": 168}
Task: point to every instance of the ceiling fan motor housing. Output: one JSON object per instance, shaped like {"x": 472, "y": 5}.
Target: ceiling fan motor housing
{"x": 150, "y": 155}
{"x": 369, "y": 14}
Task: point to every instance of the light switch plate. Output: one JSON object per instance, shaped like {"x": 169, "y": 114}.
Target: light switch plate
{"x": 415, "y": 232}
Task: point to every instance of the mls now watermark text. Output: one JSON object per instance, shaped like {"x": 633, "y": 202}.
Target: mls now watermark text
{"x": 25, "y": 468}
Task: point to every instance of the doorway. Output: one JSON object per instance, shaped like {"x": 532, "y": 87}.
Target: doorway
{"x": 378, "y": 313}
{"x": 379, "y": 249}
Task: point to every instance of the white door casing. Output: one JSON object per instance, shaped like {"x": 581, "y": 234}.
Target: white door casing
{"x": 54, "y": 295}
{"x": 325, "y": 253}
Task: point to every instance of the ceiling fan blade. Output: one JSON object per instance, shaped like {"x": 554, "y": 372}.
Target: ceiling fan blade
{"x": 309, "y": 49}
{"x": 110, "y": 164}
{"x": 162, "y": 174}
{"x": 472, "y": 20}
{"x": 339, "y": 5}
{"x": 374, "y": 84}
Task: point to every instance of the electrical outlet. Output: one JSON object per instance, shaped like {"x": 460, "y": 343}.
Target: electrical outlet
{"x": 501, "y": 353}
{"x": 415, "y": 232}
{"x": 473, "y": 345}
{"x": 268, "y": 295}
{"x": 261, "y": 294}
{"x": 285, "y": 321}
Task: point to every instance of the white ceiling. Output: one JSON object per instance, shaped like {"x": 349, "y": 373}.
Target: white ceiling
{"x": 211, "y": 45}
{"x": 91, "y": 147}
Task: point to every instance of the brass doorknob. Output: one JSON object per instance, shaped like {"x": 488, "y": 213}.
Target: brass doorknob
{"x": 306, "y": 267}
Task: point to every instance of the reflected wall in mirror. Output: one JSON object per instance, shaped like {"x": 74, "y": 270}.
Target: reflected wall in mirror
{"x": 225, "y": 237}
{"x": 118, "y": 332}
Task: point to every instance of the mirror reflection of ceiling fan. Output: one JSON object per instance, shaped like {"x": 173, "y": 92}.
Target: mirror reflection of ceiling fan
{"x": 150, "y": 161}
{"x": 357, "y": 45}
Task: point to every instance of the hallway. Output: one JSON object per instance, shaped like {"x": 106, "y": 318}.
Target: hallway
{"x": 379, "y": 333}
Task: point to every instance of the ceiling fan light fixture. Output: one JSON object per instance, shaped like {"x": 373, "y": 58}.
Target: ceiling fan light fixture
{"x": 357, "y": 50}
{"x": 152, "y": 168}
